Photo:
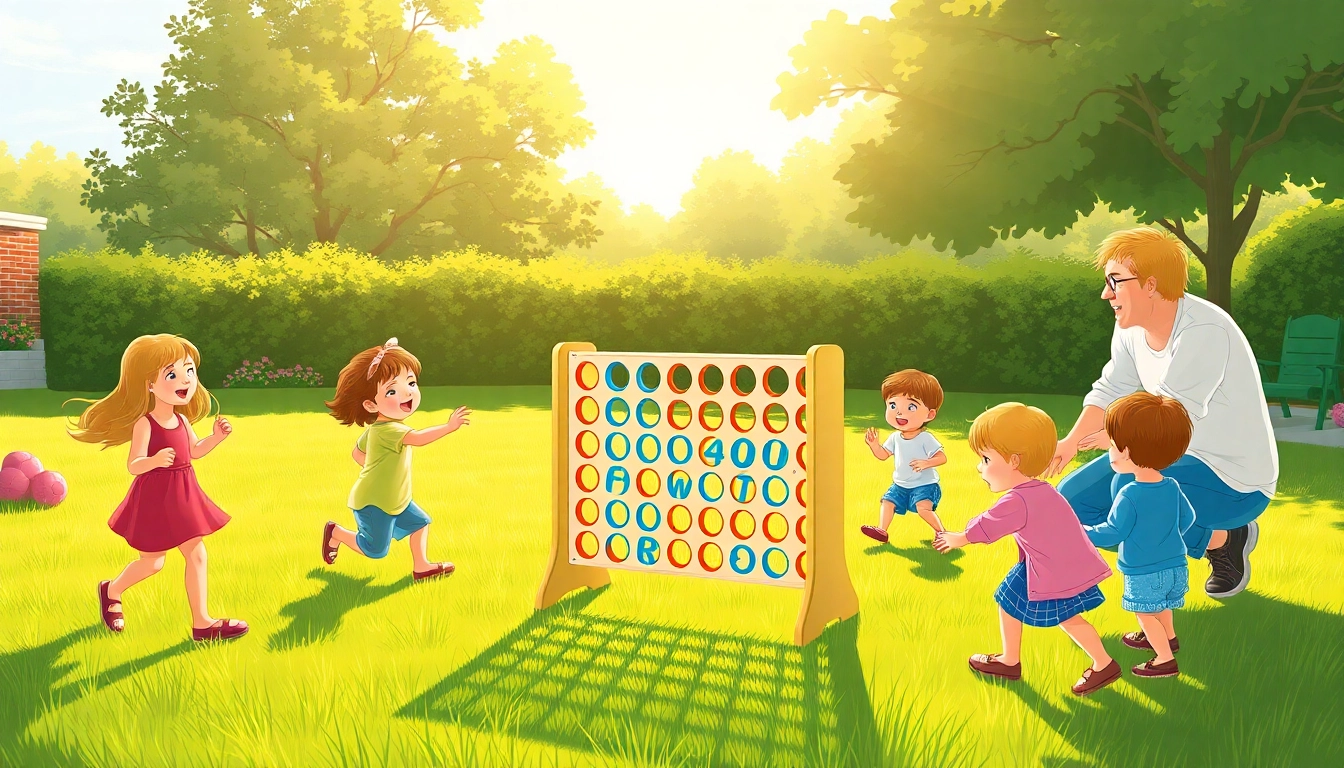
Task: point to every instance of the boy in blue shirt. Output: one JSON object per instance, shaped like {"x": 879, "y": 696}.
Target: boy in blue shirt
{"x": 1148, "y": 433}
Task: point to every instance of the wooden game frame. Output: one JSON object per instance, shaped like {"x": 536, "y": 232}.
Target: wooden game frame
{"x": 828, "y": 594}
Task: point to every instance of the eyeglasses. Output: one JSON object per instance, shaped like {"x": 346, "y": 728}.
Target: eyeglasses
{"x": 1111, "y": 282}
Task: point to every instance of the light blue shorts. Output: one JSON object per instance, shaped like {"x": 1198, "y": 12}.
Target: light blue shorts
{"x": 377, "y": 529}
{"x": 1156, "y": 592}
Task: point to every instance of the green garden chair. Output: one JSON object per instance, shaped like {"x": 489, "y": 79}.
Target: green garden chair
{"x": 1309, "y": 366}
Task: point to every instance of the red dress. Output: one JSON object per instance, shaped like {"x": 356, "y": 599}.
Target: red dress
{"x": 166, "y": 506}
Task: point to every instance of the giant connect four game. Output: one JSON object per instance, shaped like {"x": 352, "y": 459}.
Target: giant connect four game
{"x": 716, "y": 466}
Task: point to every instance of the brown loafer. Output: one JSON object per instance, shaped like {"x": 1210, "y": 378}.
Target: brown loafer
{"x": 875, "y": 533}
{"x": 1151, "y": 669}
{"x": 224, "y": 629}
{"x": 329, "y": 548}
{"x": 1140, "y": 640}
{"x": 1093, "y": 681}
{"x": 989, "y": 664}
{"x": 440, "y": 569}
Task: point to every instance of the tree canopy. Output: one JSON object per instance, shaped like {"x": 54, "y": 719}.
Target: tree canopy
{"x": 286, "y": 123}
{"x": 1021, "y": 114}
{"x": 42, "y": 183}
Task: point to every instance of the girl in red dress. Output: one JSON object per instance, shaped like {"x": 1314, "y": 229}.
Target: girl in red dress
{"x": 153, "y": 406}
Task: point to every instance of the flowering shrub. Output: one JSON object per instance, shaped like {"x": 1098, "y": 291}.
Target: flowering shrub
{"x": 1337, "y": 414}
{"x": 263, "y": 373}
{"x": 16, "y": 334}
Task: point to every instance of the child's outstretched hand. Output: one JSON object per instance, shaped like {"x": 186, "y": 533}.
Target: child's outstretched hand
{"x": 947, "y": 541}
{"x": 222, "y": 428}
{"x": 870, "y": 437}
{"x": 459, "y": 418}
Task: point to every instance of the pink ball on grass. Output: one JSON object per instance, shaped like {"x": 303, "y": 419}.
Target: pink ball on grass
{"x": 24, "y": 461}
{"x": 48, "y": 488}
{"x": 13, "y": 484}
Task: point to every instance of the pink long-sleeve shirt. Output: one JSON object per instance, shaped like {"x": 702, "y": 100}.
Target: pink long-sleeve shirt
{"x": 1061, "y": 562}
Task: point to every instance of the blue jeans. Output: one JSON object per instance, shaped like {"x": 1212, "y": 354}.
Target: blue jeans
{"x": 377, "y": 528}
{"x": 1092, "y": 488}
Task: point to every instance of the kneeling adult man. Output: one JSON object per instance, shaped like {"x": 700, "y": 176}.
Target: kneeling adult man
{"x": 1170, "y": 343}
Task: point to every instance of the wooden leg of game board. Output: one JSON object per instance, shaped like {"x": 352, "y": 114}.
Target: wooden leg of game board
{"x": 828, "y": 594}
{"x": 562, "y": 576}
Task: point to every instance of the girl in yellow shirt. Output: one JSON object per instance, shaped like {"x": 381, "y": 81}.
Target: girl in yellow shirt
{"x": 378, "y": 387}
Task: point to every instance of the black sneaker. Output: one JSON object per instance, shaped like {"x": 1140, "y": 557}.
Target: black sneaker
{"x": 1231, "y": 562}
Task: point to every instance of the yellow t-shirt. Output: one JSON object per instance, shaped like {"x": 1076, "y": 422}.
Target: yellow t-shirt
{"x": 385, "y": 481}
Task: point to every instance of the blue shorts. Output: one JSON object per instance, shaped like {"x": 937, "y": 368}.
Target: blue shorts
{"x": 1013, "y": 598}
{"x": 906, "y": 498}
{"x": 377, "y": 529}
{"x": 1156, "y": 592}
{"x": 1092, "y": 488}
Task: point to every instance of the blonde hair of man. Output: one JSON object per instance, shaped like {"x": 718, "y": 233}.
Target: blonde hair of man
{"x": 1148, "y": 252}
{"x": 1014, "y": 429}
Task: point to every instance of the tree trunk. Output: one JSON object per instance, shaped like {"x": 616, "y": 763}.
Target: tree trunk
{"x": 1221, "y": 249}
{"x": 1227, "y": 233}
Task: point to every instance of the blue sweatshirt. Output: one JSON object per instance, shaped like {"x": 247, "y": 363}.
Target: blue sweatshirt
{"x": 1147, "y": 521}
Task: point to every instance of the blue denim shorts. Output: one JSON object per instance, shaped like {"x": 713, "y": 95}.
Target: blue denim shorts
{"x": 905, "y": 499}
{"x": 377, "y": 529}
{"x": 1156, "y": 592}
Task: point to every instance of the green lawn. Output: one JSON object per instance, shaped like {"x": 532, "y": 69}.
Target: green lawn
{"x": 354, "y": 665}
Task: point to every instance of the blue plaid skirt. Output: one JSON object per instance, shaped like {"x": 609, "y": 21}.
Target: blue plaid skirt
{"x": 1012, "y": 598}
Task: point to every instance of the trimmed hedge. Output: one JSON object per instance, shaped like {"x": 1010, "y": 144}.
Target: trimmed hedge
{"x": 1297, "y": 269}
{"x": 1019, "y": 325}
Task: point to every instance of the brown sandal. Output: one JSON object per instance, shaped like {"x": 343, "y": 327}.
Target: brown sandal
{"x": 439, "y": 569}
{"x": 1093, "y": 681}
{"x": 329, "y": 548}
{"x": 1140, "y": 640}
{"x": 989, "y": 664}
{"x": 114, "y": 619}
{"x": 874, "y": 533}
{"x": 1151, "y": 668}
{"x": 224, "y": 629}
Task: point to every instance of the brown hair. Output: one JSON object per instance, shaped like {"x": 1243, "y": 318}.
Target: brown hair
{"x": 1155, "y": 429}
{"x": 355, "y": 385}
{"x": 1148, "y": 252}
{"x": 1014, "y": 429}
{"x": 914, "y": 384}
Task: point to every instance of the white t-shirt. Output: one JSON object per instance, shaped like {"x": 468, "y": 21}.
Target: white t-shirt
{"x": 1207, "y": 366}
{"x": 922, "y": 446}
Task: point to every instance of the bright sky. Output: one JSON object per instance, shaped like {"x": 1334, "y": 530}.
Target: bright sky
{"x": 666, "y": 83}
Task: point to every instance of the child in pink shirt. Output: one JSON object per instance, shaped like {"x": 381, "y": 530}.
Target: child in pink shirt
{"x": 1058, "y": 570}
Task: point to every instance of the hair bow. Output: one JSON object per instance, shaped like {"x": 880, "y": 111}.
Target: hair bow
{"x": 378, "y": 358}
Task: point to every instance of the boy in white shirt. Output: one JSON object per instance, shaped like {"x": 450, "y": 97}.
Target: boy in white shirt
{"x": 912, "y": 400}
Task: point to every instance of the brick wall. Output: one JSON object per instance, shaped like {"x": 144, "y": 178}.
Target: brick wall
{"x": 18, "y": 275}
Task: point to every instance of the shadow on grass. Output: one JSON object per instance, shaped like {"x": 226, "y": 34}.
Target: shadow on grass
{"x": 629, "y": 689}
{"x": 1310, "y": 474}
{"x": 1260, "y": 685}
{"x": 929, "y": 564}
{"x": 20, "y": 507}
{"x": 44, "y": 403}
{"x": 31, "y": 681}
{"x": 318, "y": 617}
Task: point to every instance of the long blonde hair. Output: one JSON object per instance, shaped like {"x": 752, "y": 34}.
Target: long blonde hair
{"x": 111, "y": 420}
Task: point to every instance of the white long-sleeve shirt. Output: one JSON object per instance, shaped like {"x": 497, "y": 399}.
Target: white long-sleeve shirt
{"x": 1208, "y": 367}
